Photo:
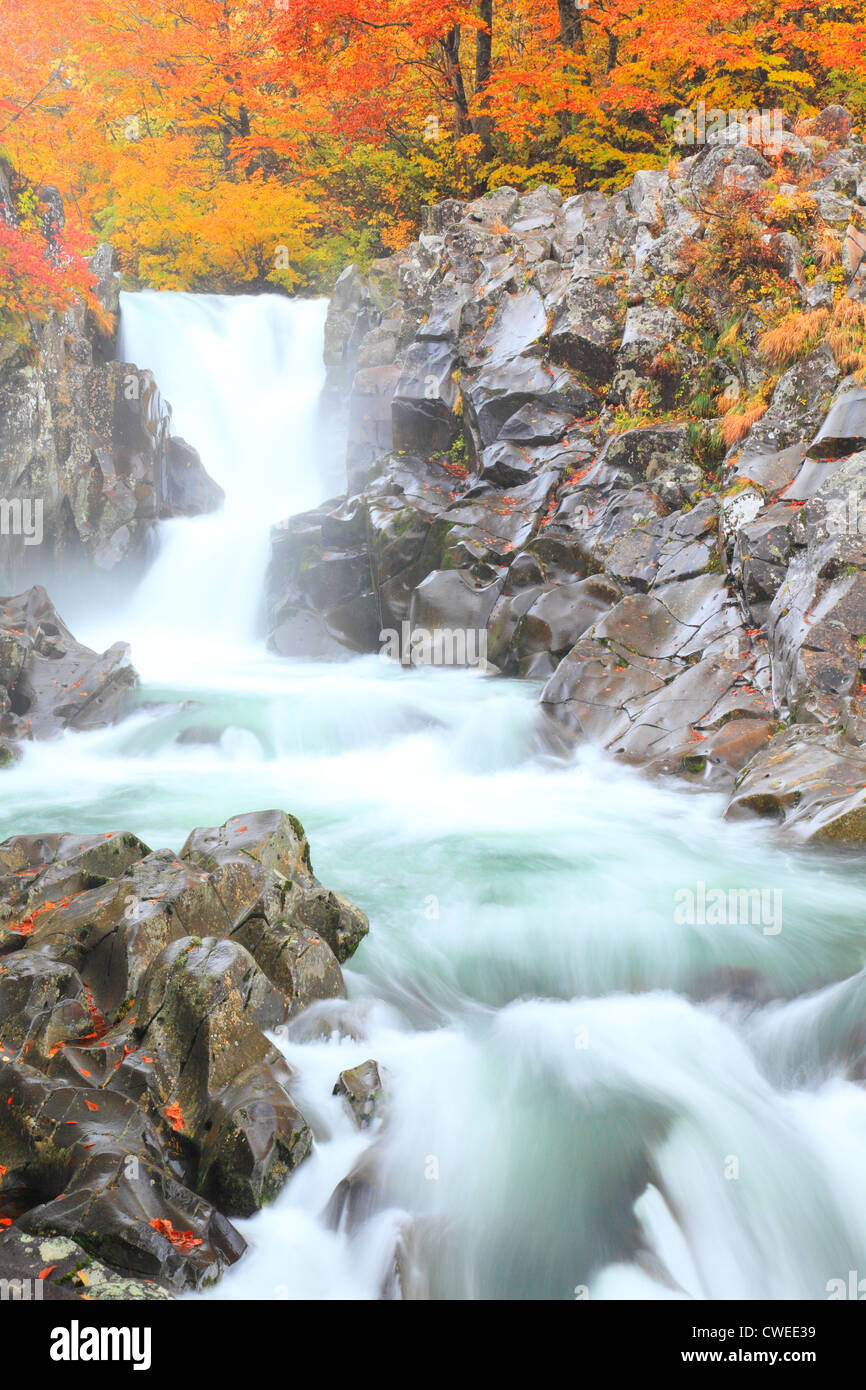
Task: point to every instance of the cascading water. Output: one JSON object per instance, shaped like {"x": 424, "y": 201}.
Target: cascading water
{"x": 566, "y": 1115}
{"x": 243, "y": 377}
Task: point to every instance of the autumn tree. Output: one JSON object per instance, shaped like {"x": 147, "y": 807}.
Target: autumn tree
{"x": 251, "y": 143}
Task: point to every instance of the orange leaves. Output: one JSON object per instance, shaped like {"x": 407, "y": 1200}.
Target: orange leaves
{"x": 257, "y": 142}
{"x": 174, "y": 1115}
{"x": 184, "y": 1241}
{"x": 25, "y": 928}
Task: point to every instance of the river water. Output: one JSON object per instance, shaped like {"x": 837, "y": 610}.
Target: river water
{"x": 576, "y": 1108}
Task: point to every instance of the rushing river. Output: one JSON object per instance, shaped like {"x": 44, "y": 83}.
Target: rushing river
{"x": 578, "y": 1108}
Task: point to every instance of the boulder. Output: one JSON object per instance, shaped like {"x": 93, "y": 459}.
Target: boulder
{"x": 136, "y": 992}
{"x": 810, "y": 782}
{"x": 363, "y": 1090}
{"x": 48, "y": 681}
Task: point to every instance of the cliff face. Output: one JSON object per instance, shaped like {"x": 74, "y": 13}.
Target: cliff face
{"x": 88, "y": 463}
{"x": 620, "y": 441}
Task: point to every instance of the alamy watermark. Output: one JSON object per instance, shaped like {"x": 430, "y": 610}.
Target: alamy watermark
{"x": 853, "y": 1288}
{"x": 21, "y": 1290}
{"x": 717, "y": 907}
{"x": 443, "y": 646}
{"x": 22, "y": 516}
{"x": 762, "y": 128}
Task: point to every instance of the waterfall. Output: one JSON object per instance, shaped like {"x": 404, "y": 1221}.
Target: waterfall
{"x": 243, "y": 376}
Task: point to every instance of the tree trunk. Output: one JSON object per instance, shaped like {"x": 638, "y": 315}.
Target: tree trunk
{"x": 451, "y": 50}
{"x": 570, "y": 27}
{"x": 481, "y": 123}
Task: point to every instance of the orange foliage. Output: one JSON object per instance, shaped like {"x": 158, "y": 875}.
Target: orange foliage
{"x": 249, "y": 143}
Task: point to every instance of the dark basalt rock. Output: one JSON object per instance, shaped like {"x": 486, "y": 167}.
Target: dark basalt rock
{"x": 364, "y": 1092}
{"x": 809, "y": 782}
{"x": 189, "y": 489}
{"x": 48, "y": 681}
{"x": 144, "y": 1102}
{"x": 843, "y": 432}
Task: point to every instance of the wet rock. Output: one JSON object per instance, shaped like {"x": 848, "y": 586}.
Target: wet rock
{"x": 799, "y": 403}
{"x": 190, "y": 490}
{"x": 48, "y": 681}
{"x": 201, "y": 1009}
{"x": 574, "y": 444}
{"x": 110, "y": 934}
{"x": 588, "y": 326}
{"x": 451, "y": 600}
{"x": 320, "y": 597}
{"x": 36, "y": 868}
{"x": 631, "y": 684}
{"x": 87, "y": 438}
{"x": 501, "y": 388}
{"x": 817, "y": 618}
{"x": 532, "y": 629}
{"x": 134, "y": 1001}
{"x": 272, "y": 839}
{"x": 762, "y": 551}
{"x": 843, "y": 432}
{"x": 364, "y": 1092}
{"x": 260, "y": 867}
{"x": 54, "y": 1268}
{"x": 810, "y": 782}
{"x": 357, "y": 1196}
{"x": 422, "y": 412}
{"x": 89, "y": 1166}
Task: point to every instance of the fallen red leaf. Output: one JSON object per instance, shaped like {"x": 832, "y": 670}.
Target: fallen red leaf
{"x": 181, "y": 1240}
{"x": 175, "y": 1115}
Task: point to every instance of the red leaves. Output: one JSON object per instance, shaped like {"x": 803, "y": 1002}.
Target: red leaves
{"x": 174, "y": 1115}
{"x": 184, "y": 1241}
{"x": 25, "y": 928}
{"x": 100, "y": 1022}
{"x": 40, "y": 272}
{"x": 91, "y": 1105}
{"x": 44, "y": 1273}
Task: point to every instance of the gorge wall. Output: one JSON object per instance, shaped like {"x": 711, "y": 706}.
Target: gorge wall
{"x": 624, "y": 440}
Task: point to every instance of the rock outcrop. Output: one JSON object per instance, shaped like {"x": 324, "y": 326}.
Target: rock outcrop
{"x": 88, "y": 463}
{"x": 621, "y": 442}
{"x": 48, "y": 681}
{"x": 141, "y": 1102}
